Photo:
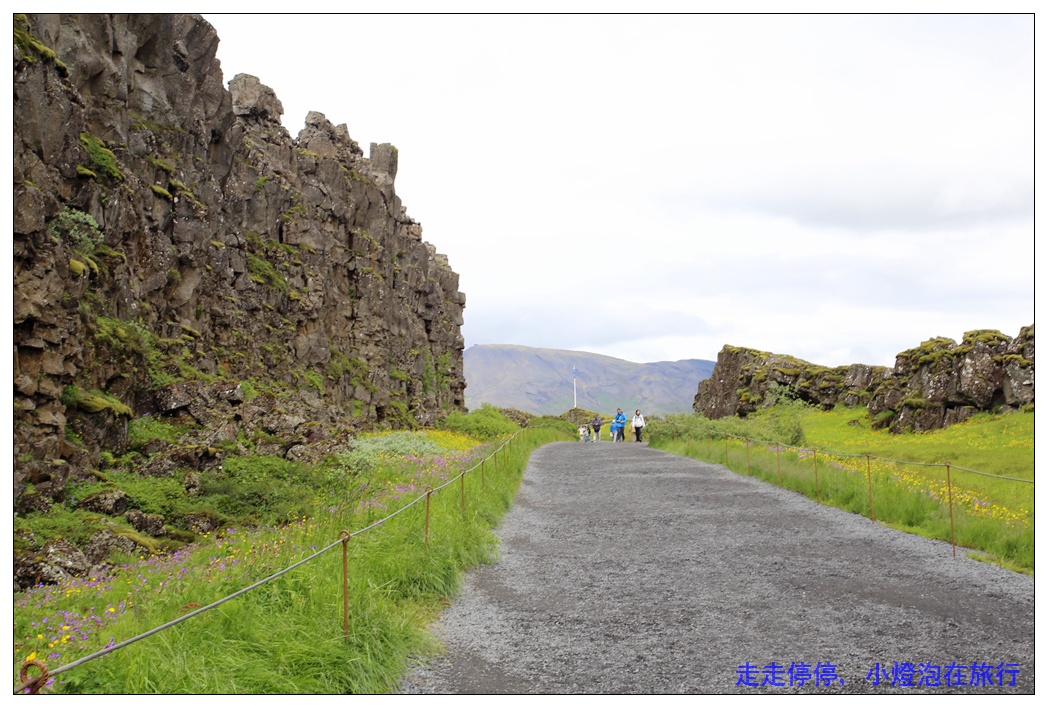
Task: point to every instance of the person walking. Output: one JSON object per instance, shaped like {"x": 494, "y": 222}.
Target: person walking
{"x": 638, "y": 425}
{"x": 619, "y": 426}
{"x": 597, "y": 423}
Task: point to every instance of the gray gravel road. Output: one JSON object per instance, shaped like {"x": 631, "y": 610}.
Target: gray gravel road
{"x": 627, "y": 570}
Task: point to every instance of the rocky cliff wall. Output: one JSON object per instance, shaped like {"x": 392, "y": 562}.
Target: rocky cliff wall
{"x": 177, "y": 252}
{"x": 931, "y": 386}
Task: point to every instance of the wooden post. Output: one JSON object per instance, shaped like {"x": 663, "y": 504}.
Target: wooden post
{"x": 428, "y": 498}
{"x": 345, "y": 535}
{"x": 816, "y": 489}
{"x": 868, "y": 473}
{"x": 952, "y": 521}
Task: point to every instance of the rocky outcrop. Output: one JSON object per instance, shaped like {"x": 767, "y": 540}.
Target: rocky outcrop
{"x": 176, "y": 252}
{"x": 744, "y": 380}
{"x": 931, "y": 386}
{"x": 941, "y": 382}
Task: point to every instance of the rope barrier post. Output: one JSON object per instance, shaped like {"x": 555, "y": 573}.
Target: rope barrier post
{"x": 428, "y": 498}
{"x": 483, "y": 482}
{"x": 725, "y": 460}
{"x": 868, "y": 473}
{"x": 748, "y": 466}
{"x": 345, "y": 535}
{"x": 817, "y": 490}
{"x": 778, "y": 450}
{"x": 463, "y": 492}
{"x": 952, "y": 522}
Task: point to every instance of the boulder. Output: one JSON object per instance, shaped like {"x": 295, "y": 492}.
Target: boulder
{"x": 253, "y": 99}
{"x": 32, "y": 569}
{"x": 104, "y": 543}
{"x": 202, "y": 522}
{"x": 112, "y": 502}
{"x": 148, "y": 523}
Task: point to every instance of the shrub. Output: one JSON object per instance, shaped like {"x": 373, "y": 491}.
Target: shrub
{"x": 77, "y": 228}
{"x": 486, "y": 423}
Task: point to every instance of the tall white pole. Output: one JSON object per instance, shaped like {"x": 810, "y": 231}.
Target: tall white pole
{"x": 574, "y": 375}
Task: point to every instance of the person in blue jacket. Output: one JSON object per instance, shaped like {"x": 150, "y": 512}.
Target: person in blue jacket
{"x": 618, "y": 426}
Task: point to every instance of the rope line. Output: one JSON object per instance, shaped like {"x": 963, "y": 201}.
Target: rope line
{"x": 280, "y": 573}
{"x": 180, "y": 619}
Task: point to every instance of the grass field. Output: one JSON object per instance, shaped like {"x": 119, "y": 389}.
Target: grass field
{"x": 900, "y": 480}
{"x": 287, "y": 636}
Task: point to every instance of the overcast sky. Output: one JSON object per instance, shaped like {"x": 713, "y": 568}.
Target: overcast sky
{"x": 839, "y": 188}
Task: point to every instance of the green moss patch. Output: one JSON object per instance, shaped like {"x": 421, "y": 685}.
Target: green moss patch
{"x": 94, "y": 402}
{"x": 102, "y": 158}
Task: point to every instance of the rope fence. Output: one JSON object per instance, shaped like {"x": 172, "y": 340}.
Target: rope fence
{"x": 709, "y": 435}
{"x": 33, "y": 684}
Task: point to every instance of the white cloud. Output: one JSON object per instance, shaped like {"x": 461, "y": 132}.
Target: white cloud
{"x": 835, "y": 187}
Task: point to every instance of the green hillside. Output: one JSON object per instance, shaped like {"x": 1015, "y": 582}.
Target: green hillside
{"x": 539, "y": 381}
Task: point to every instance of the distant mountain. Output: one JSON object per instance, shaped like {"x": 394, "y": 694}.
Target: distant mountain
{"x": 539, "y": 381}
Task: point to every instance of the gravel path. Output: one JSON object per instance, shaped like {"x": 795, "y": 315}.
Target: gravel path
{"x": 627, "y": 570}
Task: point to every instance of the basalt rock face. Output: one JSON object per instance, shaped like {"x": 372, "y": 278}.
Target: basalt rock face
{"x": 177, "y": 252}
{"x": 930, "y": 387}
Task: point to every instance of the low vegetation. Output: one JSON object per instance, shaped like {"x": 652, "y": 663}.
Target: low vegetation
{"x": 287, "y": 636}
{"x": 990, "y": 465}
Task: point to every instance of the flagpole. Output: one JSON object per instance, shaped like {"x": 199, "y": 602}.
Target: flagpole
{"x": 574, "y": 375}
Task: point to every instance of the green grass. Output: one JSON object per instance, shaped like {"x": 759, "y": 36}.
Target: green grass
{"x": 148, "y": 428}
{"x": 287, "y": 636}
{"x": 991, "y": 515}
{"x": 997, "y": 444}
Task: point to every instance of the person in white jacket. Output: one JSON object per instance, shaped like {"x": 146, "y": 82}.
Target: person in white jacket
{"x": 638, "y": 425}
